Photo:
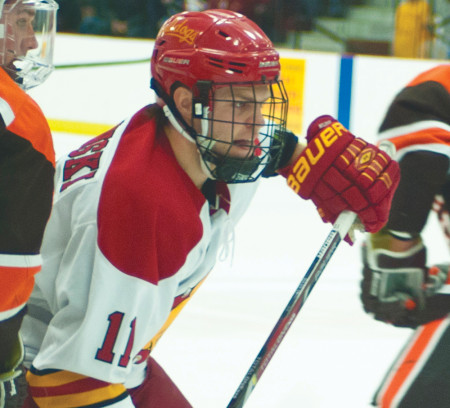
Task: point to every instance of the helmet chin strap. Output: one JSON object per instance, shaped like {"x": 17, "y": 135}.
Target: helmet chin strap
{"x": 174, "y": 122}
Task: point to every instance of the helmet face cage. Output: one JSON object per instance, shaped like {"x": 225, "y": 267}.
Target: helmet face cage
{"x": 237, "y": 150}
{"x": 27, "y": 33}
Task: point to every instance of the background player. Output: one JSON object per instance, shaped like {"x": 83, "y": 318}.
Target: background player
{"x": 27, "y": 30}
{"x": 398, "y": 288}
{"x": 141, "y": 211}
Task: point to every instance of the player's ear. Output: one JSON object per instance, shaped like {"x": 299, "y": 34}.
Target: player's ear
{"x": 183, "y": 101}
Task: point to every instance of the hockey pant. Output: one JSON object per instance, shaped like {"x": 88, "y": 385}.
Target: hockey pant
{"x": 157, "y": 391}
{"x": 420, "y": 377}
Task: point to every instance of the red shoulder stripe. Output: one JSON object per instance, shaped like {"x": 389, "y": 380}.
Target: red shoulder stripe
{"x": 148, "y": 215}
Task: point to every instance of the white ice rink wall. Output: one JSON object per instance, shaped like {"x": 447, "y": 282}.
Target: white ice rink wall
{"x": 356, "y": 89}
{"x": 334, "y": 354}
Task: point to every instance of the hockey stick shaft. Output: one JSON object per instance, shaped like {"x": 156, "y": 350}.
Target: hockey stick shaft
{"x": 340, "y": 229}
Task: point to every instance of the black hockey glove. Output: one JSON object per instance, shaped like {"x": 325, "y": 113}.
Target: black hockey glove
{"x": 397, "y": 288}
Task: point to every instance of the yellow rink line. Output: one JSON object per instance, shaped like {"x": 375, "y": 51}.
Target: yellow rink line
{"x": 76, "y": 127}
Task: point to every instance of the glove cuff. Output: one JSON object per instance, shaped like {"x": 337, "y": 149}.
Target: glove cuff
{"x": 380, "y": 256}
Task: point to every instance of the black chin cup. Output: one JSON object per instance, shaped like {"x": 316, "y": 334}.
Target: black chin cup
{"x": 231, "y": 169}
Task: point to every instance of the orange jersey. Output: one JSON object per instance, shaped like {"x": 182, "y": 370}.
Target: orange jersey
{"x": 419, "y": 116}
{"x": 27, "y": 163}
{"x": 418, "y": 123}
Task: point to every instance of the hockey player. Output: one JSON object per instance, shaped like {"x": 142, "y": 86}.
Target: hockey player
{"x": 398, "y": 288}
{"x": 27, "y": 30}
{"x": 141, "y": 211}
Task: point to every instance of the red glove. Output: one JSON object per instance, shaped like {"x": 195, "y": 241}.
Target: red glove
{"x": 340, "y": 172}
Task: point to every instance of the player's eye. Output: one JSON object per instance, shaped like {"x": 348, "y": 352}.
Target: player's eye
{"x": 241, "y": 104}
{"x": 22, "y": 22}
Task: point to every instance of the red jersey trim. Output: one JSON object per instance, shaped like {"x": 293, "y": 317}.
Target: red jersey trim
{"x": 64, "y": 389}
{"x": 147, "y": 204}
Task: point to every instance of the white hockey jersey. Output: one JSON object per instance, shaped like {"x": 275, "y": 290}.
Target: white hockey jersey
{"x": 129, "y": 239}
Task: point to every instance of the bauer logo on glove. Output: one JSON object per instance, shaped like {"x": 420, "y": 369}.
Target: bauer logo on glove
{"x": 328, "y": 132}
{"x": 365, "y": 158}
{"x": 339, "y": 172}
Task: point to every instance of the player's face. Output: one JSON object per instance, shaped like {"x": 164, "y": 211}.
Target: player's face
{"x": 238, "y": 119}
{"x": 20, "y": 36}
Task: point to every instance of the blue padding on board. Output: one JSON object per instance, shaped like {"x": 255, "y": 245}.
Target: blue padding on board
{"x": 345, "y": 90}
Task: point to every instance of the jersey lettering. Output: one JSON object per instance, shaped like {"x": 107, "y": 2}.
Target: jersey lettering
{"x": 75, "y": 165}
{"x": 95, "y": 145}
{"x": 125, "y": 359}
{"x": 86, "y": 158}
{"x": 84, "y": 177}
{"x": 105, "y": 353}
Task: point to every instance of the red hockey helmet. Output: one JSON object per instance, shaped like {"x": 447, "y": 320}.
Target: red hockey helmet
{"x": 220, "y": 50}
{"x": 215, "y": 45}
